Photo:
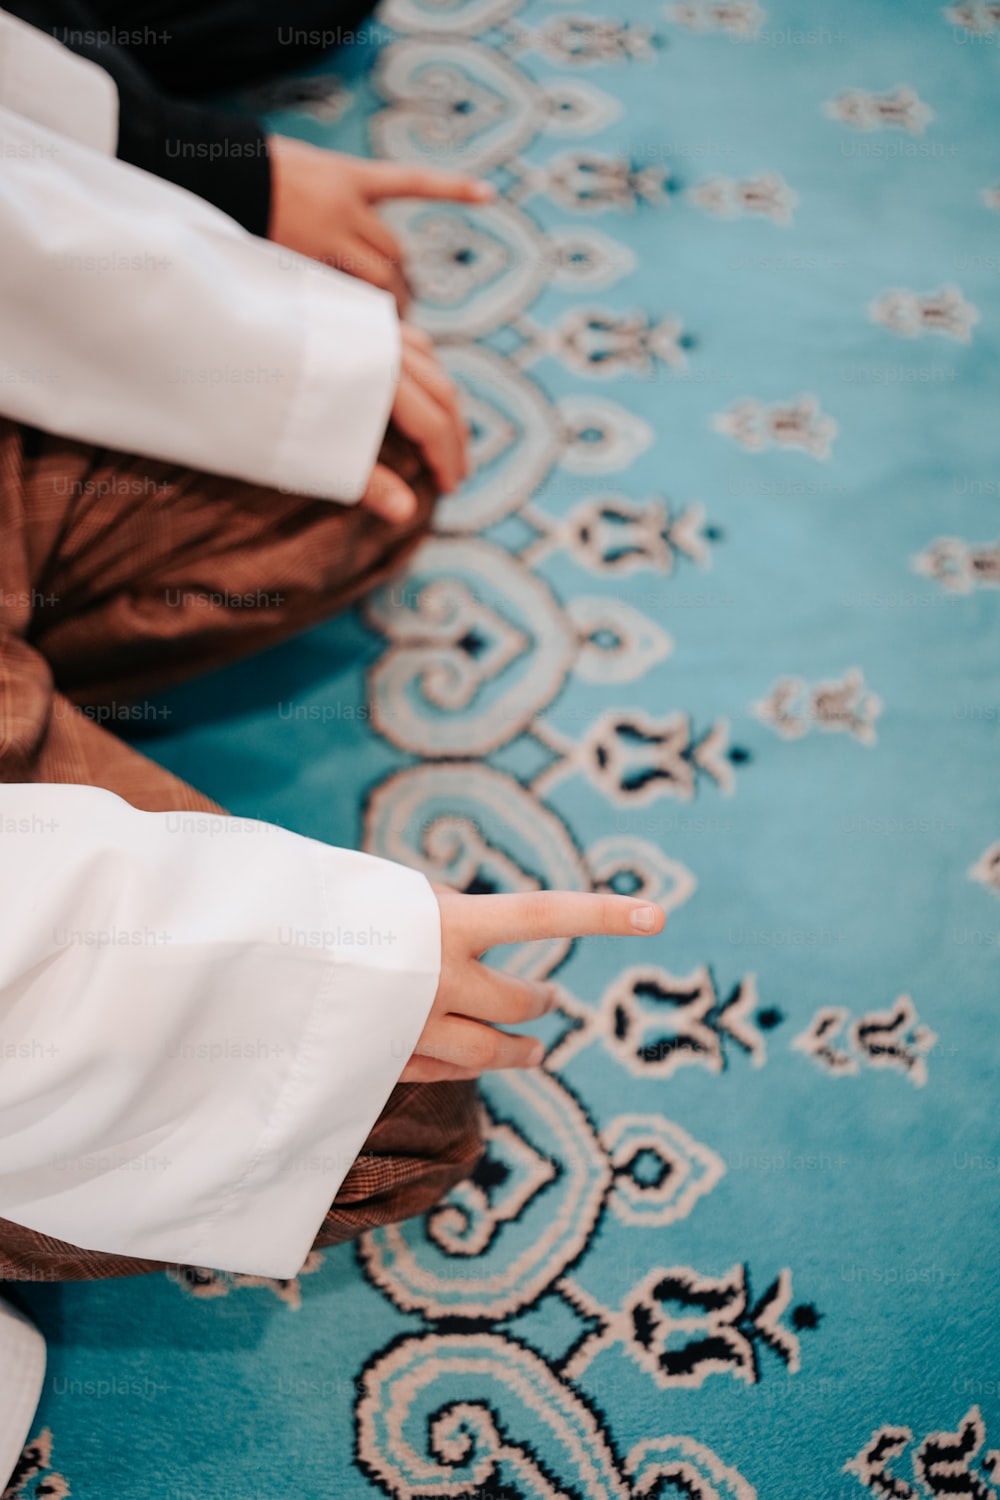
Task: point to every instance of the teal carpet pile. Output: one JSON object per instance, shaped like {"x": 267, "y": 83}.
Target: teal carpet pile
{"x": 716, "y": 619}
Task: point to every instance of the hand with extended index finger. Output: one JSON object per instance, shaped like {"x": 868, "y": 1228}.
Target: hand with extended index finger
{"x": 462, "y": 1037}
{"x": 323, "y": 206}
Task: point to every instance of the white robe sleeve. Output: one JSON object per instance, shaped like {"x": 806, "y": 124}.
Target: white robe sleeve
{"x": 200, "y": 1020}
{"x": 43, "y": 81}
{"x": 137, "y": 316}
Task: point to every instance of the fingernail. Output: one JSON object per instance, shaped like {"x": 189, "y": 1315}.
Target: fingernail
{"x": 536, "y": 1054}
{"x": 551, "y": 997}
{"x": 643, "y": 918}
{"x": 485, "y": 191}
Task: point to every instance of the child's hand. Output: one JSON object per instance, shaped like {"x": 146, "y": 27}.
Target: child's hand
{"x": 427, "y": 410}
{"x": 461, "y": 1038}
{"x": 323, "y": 206}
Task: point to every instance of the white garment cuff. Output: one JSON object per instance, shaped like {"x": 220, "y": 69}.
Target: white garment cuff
{"x": 383, "y": 936}
{"x": 329, "y": 447}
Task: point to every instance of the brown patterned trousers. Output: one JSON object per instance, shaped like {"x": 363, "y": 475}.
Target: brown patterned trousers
{"x": 111, "y": 573}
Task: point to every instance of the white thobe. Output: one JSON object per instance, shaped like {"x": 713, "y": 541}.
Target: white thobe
{"x": 200, "y": 1019}
{"x": 137, "y": 316}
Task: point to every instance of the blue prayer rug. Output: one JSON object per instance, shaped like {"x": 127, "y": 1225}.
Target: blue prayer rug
{"x": 715, "y": 621}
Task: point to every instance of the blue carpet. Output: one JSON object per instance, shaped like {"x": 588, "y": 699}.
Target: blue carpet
{"x": 716, "y": 619}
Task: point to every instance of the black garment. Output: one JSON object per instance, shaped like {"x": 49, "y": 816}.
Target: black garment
{"x": 231, "y": 44}
{"x": 160, "y": 51}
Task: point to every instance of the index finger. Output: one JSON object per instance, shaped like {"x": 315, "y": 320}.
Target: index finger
{"x": 524, "y": 918}
{"x": 386, "y": 180}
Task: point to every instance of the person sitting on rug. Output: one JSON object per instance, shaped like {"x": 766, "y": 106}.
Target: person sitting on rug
{"x": 222, "y": 1043}
{"x": 163, "y": 58}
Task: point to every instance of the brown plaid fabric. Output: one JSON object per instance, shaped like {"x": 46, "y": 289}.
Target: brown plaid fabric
{"x": 120, "y": 575}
